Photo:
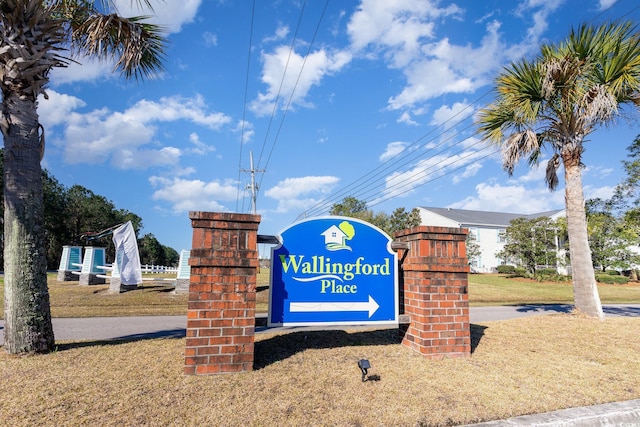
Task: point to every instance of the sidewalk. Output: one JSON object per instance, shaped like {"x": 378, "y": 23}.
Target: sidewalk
{"x": 619, "y": 414}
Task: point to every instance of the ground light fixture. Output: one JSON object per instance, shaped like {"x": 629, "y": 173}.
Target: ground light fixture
{"x": 364, "y": 366}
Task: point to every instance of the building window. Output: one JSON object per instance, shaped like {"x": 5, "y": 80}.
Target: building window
{"x": 475, "y": 262}
{"x": 502, "y": 236}
{"x": 473, "y": 234}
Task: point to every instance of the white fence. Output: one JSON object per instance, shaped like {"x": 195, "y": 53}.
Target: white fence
{"x": 155, "y": 269}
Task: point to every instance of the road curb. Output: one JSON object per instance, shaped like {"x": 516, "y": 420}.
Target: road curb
{"x": 619, "y": 414}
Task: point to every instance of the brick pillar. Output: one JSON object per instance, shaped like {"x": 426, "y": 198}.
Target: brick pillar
{"x": 433, "y": 281}
{"x": 222, "y": 293}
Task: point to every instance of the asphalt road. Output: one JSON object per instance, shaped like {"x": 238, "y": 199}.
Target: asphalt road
{"x": 145, "y": 327}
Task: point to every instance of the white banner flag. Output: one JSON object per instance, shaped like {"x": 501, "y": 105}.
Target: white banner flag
{"x": 127, "y": 256}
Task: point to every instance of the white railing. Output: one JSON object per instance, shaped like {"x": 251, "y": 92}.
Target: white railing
{"x": 155, "y": 269}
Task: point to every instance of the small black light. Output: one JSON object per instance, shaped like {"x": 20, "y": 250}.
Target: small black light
{"x": 364, "y": 366}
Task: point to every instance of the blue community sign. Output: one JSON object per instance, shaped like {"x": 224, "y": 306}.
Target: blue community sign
{"x": 333, "y": 271}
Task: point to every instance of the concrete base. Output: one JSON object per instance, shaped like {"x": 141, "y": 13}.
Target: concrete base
{"x": 116, "y": 286}
{"x": 91, "y": 279}
{"x": 182, "y": 286}
{"x": 68, "y": 276}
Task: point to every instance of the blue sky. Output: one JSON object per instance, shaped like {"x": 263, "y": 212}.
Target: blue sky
{"x": 373, "y": 99}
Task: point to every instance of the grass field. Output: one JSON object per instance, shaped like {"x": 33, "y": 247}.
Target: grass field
{"x": 498, "y": 289}
{"x": 521, "y": 366}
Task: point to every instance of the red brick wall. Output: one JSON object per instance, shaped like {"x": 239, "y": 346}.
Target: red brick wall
{"x": 433, "y": 282}
{"x": 222, "y": 293}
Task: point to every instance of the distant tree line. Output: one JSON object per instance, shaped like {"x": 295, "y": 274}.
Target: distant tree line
{"x": 400, "y": 219}
{"x": 72, "y": 212}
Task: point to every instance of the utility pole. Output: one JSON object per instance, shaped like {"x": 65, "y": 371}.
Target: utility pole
{"x": 253, "y": 186}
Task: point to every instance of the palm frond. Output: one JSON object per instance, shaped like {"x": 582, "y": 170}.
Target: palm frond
{"x": 551, "y": 175}
{"x": 518, "y": 145}
{"x": 599, "y": 105}
{"x": 136, "y": 47}
{"x": 520, "y": 85}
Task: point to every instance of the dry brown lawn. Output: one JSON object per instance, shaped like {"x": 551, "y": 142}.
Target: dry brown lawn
{"x": 521, "y": 366}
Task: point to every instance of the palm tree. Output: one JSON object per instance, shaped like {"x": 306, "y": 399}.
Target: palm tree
{"x": 555, "y": 101}
{"x": 34, "y": 35}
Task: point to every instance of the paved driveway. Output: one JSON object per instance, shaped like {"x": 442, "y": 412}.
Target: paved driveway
{"x": 104, "y": 328}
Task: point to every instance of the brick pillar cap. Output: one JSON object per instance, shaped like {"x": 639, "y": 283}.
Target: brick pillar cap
{"x": 223, "y": 216}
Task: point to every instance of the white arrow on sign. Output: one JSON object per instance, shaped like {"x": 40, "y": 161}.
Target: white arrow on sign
{"x": 371, "y": 306}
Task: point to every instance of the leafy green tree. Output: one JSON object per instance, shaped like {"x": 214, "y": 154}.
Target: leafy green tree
{"x": 400, "y": 219}
{"x": 151, "y": 251}
{"x": 554, "y": 101}
{"x": 472, "y": 248}
{"x": 55, "y": 204}
{"x": 627, "y": 193}
{"x": 88, "y": 213}
{"x": 171, "y": 255}
{"x": 34, "y": 35}
{"x": 611, "y": 237}
{"x": 531, "y": 242}
{"x": 350, "y": 206}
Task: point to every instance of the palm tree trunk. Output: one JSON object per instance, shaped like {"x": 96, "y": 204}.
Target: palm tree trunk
{"x": 585, "y": 291}
{"x": 27, "y": 313}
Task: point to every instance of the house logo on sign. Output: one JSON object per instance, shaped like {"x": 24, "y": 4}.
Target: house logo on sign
{"x": 335, "y": 237}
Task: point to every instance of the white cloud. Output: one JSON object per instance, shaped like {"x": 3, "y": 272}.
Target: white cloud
{"x": 84, "y": 70}
{"x": 512, "y": 198}
{"x": 598, "y": 171}
{"x": 398, "y": 28}
{"x": 535, "y": 173}
{"x": 540, "y": 17}
{"x": 56, "y": 109}
{"x": 124, "y": 137}
{"x": 443, "y": 67}
{"x": 297, "y": 193}
{"x": 245, "y": 130}
{"x": 451, "y": 115}
{"x": 591, "y": 192}
{"x": 468, "y": 172}
{"x": 199, "y": 148}
{"x": 146, "y": 158}
{"x": 393, "y": 149}
{"x": 281, "y": 33}
{"x": 300, "y": 75}
{"x": 402, "y": 184}
{"x": 405, "y": 34}
{"x": 210, "y": 39}
{"x": 171, "y": 15}
{"x": 606, "y": 4}
{"x": 193, "y": 195}
{"x": 405, "y": 118}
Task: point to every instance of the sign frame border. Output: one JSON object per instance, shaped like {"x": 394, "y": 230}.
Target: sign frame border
{"x": 396, "y": 287}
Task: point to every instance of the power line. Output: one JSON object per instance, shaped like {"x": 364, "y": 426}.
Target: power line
{"x": 286, "y": 110}
{"x": 371, "y": 186}
{"x": 406, "y": 156}
{"x": 244, "y": 104}
{"x": 284, "y": 74}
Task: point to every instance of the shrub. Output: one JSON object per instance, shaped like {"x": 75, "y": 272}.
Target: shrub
{"x": 520, "y": 272}
{"x": 613, "y": 272}
{"x": 547, "y": 271}
{"x": 612, "y": 280}
{"x": 506, "y": 269}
